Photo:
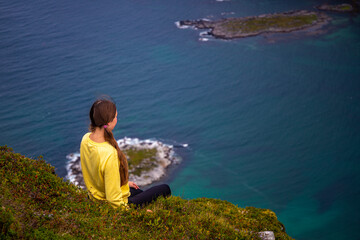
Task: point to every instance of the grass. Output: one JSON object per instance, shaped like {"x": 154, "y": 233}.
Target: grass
{"x": 265, "y": 23}
{"x": 345, "y": 7}
{"x": 140, "y": 160}
{"x": 37, "y": 204}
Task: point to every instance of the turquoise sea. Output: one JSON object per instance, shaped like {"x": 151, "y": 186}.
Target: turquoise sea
{"x": 271, "y": 121}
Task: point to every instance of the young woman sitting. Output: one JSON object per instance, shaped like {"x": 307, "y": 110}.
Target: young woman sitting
{"x": 104, "y": 165}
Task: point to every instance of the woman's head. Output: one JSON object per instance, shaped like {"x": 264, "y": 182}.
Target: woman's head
{"x": 103, "y": 114}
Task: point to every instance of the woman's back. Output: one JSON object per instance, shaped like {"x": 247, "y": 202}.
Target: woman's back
{"x": 100, "y": 167}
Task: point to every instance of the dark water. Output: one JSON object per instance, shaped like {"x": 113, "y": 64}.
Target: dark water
{"x": 271, "y": 122}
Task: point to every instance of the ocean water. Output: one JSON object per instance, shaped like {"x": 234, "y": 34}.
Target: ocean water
{"x": 270, "y": 121}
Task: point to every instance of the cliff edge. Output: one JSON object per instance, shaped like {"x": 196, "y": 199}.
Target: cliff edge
{"x": 37, "y": 204}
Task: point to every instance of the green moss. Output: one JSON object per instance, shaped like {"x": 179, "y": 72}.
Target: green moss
{"x": 7, "y": 223}
{"x": 136, "y": 156}
{"x": 141, "y": 160}
{"x": 264, "y": 23}
{"x": 37, "y": 204}
{"x": 345, "y": 7}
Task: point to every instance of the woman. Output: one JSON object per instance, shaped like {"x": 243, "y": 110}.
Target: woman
{"x": 104, "y": 165}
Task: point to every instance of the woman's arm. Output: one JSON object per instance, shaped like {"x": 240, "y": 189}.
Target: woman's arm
{"x": 112, "y": 182}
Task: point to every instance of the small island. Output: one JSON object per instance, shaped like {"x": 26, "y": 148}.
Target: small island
{"x": 344, "y": 7}
{"x": 230, "y": 28}
{"x": 147, "y": 160}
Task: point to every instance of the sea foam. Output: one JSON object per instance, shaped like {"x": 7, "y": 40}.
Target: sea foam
{"x": 202, "y": 39}
{"x": 177, "y": 23}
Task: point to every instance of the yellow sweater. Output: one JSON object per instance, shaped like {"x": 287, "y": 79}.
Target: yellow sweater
{"x": 100, "y": 168}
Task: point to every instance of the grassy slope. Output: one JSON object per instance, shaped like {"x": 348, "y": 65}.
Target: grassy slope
{"x": 263, "y": 24}
{"x": 35, "y": 203}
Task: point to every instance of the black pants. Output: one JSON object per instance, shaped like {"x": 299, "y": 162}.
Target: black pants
{"x": 139, "y": 197}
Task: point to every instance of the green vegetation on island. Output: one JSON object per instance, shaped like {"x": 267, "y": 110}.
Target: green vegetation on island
{"x": 267, "y": 23}
{"x": 37, "y": 204}
{"x": 276, "y": 21}
{"x": 344, "y": 7}
{"x": 141, "y": 160}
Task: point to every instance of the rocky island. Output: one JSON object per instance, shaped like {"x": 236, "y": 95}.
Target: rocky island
{"x": 147, "y": 160}
{"x": 344, "y": 7}
{"x": 230, "y": 28}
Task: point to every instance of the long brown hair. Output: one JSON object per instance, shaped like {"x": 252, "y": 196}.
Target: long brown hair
{"x": 102, "y": 112}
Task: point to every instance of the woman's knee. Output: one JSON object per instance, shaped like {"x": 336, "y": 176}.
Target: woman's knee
{"x": 166, "y": 189}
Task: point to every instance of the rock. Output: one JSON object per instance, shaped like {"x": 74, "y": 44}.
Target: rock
{"x": 230, "y": 28}
{"x": 267, "y": 235}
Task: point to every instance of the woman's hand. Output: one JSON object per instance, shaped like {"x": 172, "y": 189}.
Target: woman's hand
{"x": 133, "y": 185}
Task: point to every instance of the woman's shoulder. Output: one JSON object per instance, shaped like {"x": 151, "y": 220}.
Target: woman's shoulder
{"x": 86, "y": 136}
{"x": 103, "y": 147}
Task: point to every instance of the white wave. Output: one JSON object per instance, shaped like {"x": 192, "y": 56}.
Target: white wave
{"x": 205, "y": 33}
{"x": 182, "y": 26}
{"x": 227, "y": 13}
{"x": 71, "y": 166}
{"x": 202, "y": 39}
